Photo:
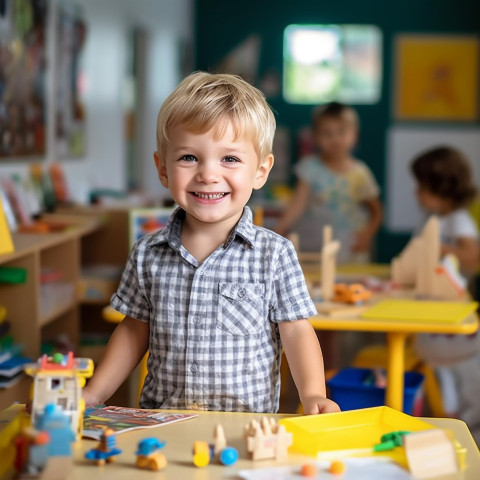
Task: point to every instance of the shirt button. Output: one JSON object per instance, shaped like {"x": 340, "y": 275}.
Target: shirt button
{"x": 241, "y": 293}
{"x": 200, "y": 271}
{"x": 196, "y": 319}
{"x": 193, "y": 368}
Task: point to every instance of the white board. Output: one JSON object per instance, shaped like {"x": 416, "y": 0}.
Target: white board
{"x": 404, "y": 143}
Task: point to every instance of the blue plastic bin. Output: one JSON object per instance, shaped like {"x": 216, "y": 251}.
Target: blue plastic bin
{"x": 349, "y": 390}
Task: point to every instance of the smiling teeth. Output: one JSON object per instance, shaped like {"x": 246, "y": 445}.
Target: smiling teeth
{"x": 209, "y": 196}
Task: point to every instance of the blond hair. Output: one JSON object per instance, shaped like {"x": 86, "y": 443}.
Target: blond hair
{"x": 203, "y": 101}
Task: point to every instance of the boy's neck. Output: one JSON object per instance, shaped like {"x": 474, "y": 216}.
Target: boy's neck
{"x": 202, "y": 239}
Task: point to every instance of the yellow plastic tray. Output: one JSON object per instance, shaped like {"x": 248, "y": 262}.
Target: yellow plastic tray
{"x": 421, "y": 311}
{"x": 355, "y": 429}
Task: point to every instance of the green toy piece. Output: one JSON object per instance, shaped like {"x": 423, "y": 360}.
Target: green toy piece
{"x": 13, "y": 275}
{"x": 390, "y": 440}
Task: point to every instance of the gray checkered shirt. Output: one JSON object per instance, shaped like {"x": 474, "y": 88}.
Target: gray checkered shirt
{"x": 214, "y": 338}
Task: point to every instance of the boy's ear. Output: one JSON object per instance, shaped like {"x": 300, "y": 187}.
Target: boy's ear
{"x": 161, "y": 169}
{"x": 262, "y": 172}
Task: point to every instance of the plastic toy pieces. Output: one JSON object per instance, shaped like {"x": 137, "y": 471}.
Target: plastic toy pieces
{"x": 149, "y": 456}
{"x": 105, "y": 450}
{"x": 203, "y": 453}
{"x": 32, "y": 451}
{"x": 59, "y": 380}
{"x": 267, "y": 439}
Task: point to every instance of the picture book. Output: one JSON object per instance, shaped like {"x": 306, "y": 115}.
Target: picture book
{"x": 122, "y": 419}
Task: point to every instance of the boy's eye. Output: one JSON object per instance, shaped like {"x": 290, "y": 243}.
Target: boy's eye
{"x": 188, "y": 158}
{"x": 230, "y": 160}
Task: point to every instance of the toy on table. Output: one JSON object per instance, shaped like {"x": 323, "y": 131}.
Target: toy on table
{"x": 337, "y": 467}
{"x": 149, "y": 456}
{"x": 59, "y": 380}
{"x": 420, "y": 265}
{"x": 266, "y": 439}
{"x": 330, "y": 249}
{"x": 105, "y": 450}
{"x": 430, "y": 454}
{"x": 308, "y": 470}
{"x": 389, "y": 441}
{"x": 354, "y": 294}
{"x": 203, "y": 453}
{"x": 31, "y": 451}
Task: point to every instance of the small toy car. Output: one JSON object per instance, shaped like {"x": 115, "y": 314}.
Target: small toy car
{"x": 149, "y": 456}
{"x": 354, "y": 293}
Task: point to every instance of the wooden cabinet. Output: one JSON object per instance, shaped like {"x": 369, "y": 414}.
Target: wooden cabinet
{"x": 41, "y": 310}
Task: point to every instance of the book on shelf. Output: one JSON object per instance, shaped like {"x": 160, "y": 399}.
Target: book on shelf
{"x": 123, "y": 419}
{"x": 13, "y": 365}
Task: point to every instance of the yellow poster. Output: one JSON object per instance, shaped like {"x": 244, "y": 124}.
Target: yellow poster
{"x": 437, "y": 78}
{"x": 6, "y": 244}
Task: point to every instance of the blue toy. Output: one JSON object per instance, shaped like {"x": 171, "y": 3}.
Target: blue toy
{"x": 54, "y": 421}
{"x": 228, "y": 456}
{"x": 105, "y": 450}
{"x": 149, "y": 456}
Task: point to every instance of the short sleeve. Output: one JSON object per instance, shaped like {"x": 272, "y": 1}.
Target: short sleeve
{"x": 464, "y": 226}
{"x": 366, "y": 185}
{"x": 130, "y": 298}
{"x": 303, "y": 169}
{"x": 290, "y": 298}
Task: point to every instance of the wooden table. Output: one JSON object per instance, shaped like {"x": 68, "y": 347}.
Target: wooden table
{"x": 180, "y": 437}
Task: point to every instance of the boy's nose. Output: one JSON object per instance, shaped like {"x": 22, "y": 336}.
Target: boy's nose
{"x": 207, "y": 173}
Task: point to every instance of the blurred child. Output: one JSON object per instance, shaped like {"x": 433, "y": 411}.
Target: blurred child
{"x": 445, "y": 188}
{"x": 334, "y": 189}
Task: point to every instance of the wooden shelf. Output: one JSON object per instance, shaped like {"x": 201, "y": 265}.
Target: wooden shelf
{"x": 29, "y": 324}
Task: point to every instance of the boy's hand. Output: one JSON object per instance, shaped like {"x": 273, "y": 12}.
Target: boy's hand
{"x": 90, "y": 399}
{"x": 315, "y": 405}
{"x": 361, "y": 241}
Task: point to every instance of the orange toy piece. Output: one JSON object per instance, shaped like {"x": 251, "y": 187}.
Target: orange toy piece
{"x": 354, "y": 293}
{"x": 308, "y": 470}
{"x": 337, "y": 468}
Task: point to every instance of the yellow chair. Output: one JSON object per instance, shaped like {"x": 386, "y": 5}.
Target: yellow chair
{"x": 376, "y": 356}
{"x": 111, "y": 315}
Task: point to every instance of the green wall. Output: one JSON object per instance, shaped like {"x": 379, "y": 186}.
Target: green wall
{"x": 222, "y": 24}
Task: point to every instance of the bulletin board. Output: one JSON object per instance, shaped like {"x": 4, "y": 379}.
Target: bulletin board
{"x": 22, "y": 79}
{"x": 437, "y": 77}
{"x": 404, "y": 143}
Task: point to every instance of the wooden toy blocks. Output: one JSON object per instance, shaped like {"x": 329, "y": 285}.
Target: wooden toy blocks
{"x": 266, "y": 439}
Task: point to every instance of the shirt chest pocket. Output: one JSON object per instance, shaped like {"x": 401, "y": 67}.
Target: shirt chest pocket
{"x": 241, "y": 308}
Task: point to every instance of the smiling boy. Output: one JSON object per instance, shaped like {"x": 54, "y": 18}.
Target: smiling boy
{"x": 212, "y": 296}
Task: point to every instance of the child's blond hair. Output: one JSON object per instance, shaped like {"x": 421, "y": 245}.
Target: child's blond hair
{"x": 203, "y": 101}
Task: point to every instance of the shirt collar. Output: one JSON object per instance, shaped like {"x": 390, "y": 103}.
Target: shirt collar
{"x": 171, "y": 233}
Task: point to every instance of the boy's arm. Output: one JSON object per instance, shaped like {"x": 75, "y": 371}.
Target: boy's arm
{"x": 364, "y": 236}
{"x": 297, "y": 206}
{"x": 305, "y": 359}
{"x": 125, "y": 349}
{"x": 467, "y": 250}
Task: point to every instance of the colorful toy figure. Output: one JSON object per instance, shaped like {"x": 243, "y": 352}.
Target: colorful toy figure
{"x": 105, "y": 450}
{"x": 54, "y": 421}
{"x": 203, "y": 453}
{"x": 59, "y": 380}
{"x": 32, "y": 451}
{"x": 149, "y": 456}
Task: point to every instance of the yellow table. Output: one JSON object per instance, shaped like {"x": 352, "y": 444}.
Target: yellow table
{"x": 396, "y": 331}
{"x": 180, "y": 437}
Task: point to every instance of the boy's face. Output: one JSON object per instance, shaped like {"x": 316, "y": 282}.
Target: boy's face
{"x": 335, "y": 137}
{"x": 211, "y": 178}
{"x": 432, "y": 203}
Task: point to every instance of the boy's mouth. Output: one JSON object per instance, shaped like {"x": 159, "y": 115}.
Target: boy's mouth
{"x": 210, "y": 196}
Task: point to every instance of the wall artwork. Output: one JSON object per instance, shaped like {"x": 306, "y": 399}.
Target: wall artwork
{"x": 71, "y": 33}
{"x": 147, "y": 220}
{"x": 436, "y": 78}
{"x": 22, "y": 79}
